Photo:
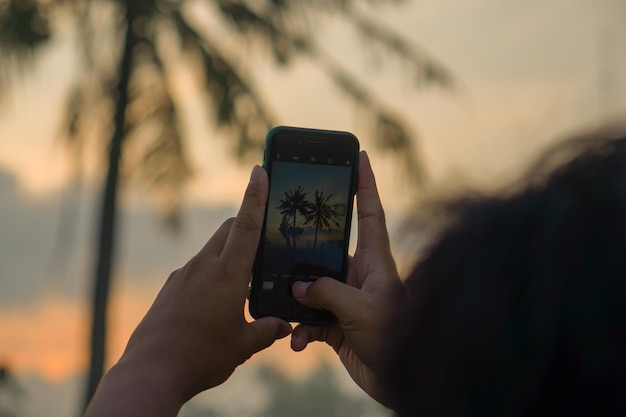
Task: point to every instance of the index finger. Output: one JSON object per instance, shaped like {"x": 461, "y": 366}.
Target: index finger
{"x": 372, "y": 227}
{"x": 243, "y": 237}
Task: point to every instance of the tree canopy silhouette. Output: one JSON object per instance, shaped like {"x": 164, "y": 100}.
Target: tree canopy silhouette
{"x": 123, "y": 101}
{"x": 322, "y": 214}
{"x": 294, "y": 202}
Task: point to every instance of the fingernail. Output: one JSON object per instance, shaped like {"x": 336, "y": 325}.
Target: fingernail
{"x": 299, "y": 289}
{"x": 254, "y": 175}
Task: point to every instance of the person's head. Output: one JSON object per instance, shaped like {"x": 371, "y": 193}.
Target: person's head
{"x": 519, "y": 306}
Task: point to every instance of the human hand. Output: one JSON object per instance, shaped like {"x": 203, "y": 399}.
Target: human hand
{"x": 364, "y": 304}
{"x": 195, "y": 334}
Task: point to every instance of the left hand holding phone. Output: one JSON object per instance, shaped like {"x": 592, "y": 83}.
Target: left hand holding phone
{"x": 195, "y": 334}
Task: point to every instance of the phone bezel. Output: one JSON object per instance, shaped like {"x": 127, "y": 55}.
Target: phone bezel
{"x": 297, "y": 137}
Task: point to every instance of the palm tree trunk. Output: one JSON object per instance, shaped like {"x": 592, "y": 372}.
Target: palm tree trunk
{"x": 293, "y": 231}
{"x": 317, "y": 228}
{"x": 107, "y": 220}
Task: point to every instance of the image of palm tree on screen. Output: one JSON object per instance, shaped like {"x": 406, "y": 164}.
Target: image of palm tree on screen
{"x": 322, "y": 214}
{"x": 294, "y": 202}
{"x": 305, "y": 225}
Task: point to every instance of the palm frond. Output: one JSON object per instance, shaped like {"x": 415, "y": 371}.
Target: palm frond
{"x": 427, "y": 69}
{"x": 284, "y": 29}
{"x": 24, "y": 29}
{"x": 154, "y": 146}
{"x": 398, "y": 138}
{"x": 234, "y": 98}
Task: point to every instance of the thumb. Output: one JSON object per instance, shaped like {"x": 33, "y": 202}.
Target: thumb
{"x": 343, "y": 300}
{"x": 265, "y": 331}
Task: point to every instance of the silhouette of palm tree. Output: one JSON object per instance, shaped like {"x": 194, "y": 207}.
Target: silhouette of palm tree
{"x": 124, "y": 96}
{"x": 284, "y": 230}
{"x": 294, "y": 202}
{"x": 321, "y": 214}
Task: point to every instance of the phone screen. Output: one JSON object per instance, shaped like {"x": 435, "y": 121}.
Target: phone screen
{"x": 306, "y": 218}
{"x": 307, "y": 223}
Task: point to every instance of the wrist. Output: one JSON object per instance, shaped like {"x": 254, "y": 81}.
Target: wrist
{"x": 140, "y": 388}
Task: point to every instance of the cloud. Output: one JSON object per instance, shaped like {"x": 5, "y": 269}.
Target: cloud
{"x": 46, "y": 260}
{"x": 46, "y": 244}
{"x": 26, "y": 239}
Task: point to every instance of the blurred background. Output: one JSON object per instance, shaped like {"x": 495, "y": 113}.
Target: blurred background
{"x": 121, "y": 151}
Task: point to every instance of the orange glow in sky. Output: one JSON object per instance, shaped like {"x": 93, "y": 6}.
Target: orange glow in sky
{"x": 50, "y": 338}
{"x": 46, "y": 339}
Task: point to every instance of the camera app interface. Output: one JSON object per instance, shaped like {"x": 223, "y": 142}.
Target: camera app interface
{"x": 306, "y": 221}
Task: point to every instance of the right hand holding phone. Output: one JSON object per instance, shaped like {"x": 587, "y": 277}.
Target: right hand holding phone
{"x": 363, "y": 305}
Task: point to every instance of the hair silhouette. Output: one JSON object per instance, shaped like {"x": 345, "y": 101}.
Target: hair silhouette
{"x": 519, "y": 306}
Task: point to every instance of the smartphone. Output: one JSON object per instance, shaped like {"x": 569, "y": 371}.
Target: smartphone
{"x": 312, "y": 183}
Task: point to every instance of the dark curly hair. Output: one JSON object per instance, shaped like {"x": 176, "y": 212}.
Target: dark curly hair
{"x": 519, "y": 306}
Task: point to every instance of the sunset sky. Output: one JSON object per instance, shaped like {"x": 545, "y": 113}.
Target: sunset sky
{"x": 529, "y": 73}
